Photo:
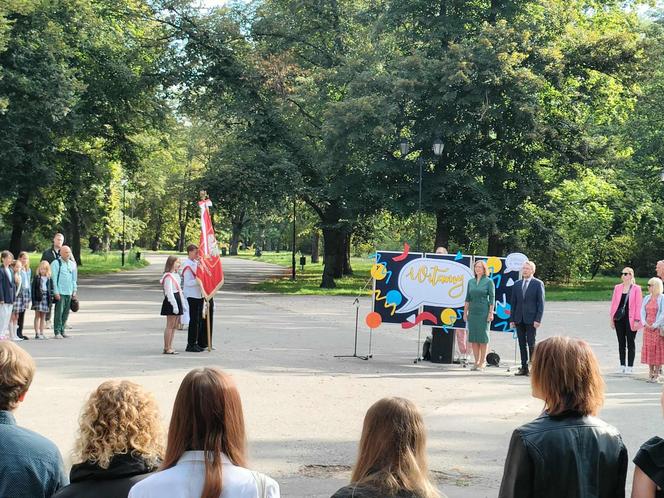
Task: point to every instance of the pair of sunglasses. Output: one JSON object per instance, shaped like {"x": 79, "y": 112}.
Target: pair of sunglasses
{"x": 624, "y": 274}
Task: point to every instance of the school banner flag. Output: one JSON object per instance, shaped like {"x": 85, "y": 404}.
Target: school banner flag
{"x": 209, "y": 272}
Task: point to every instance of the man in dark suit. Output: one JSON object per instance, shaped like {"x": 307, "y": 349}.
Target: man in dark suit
{"x": 527, "y": 304}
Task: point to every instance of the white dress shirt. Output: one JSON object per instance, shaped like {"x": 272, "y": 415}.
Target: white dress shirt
{"x": 190, "y": 286}
{"x": 186, "y": 478}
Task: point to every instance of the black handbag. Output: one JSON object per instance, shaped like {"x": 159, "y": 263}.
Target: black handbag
{"x": 620, "y": 312}
{"x": 74, "y": 304}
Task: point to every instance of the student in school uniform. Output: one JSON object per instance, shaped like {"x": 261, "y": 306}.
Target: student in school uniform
{"x": 174, "y": 303}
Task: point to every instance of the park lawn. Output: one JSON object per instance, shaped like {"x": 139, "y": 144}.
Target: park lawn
{"x": 101, "y": 263}
{"x": 308, "y": 282}
{"x": 597, "y": 289}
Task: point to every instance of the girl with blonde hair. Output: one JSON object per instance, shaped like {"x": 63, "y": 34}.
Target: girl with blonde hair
{"x": 392, "y": 459}
{"x": 42, "y": 297}
{"x": 120, "y": 442}
{"x": 174, "y": 304}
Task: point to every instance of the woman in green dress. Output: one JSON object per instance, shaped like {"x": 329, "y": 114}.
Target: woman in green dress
{"x": 478, "y": 312}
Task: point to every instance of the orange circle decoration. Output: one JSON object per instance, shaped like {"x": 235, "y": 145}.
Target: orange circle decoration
{"x": 373, "y": 320}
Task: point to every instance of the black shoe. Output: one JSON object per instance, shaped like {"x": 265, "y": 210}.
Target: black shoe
{"x": 64, "y": 335}
{"x": 24, "y": 337}
{"x": 194, "y": 349}
{"x": 522, "y": 372}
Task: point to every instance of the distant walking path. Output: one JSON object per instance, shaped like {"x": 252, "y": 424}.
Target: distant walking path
{"x": 239, "y": 274}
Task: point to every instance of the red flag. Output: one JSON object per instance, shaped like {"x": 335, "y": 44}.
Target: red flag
{"x": 209, "y": 272}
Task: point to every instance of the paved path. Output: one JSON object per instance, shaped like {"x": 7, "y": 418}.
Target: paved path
{"x": 304, "y": 408}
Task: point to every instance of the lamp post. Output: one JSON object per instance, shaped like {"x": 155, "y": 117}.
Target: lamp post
{"x": 124, "y": 198}
{"x": 404, "y": 148}
{"x": 293, "y": 245}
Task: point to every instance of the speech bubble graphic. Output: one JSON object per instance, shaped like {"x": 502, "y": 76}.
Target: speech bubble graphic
{"x": 514, "y": 261}
{"x": 434, "y": 282}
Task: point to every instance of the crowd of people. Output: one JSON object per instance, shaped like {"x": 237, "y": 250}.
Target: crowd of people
{"x": 121, "y": 450}
{"x": 54, "y": 283}
{"x": 631, "y": 312}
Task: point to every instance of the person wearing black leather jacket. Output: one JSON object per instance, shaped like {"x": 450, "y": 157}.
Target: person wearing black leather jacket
{"x": 567, "y": 451}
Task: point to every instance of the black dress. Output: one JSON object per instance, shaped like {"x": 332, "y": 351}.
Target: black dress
{"x": 650, "y": 459}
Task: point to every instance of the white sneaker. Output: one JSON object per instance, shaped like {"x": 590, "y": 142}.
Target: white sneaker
{"x": 622, "y": 369}
{"x": 629, "y": 370}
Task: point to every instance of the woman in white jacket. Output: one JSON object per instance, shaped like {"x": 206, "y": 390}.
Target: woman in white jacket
{"x": 174, "y": 304}
{"x": 652, "y": 317}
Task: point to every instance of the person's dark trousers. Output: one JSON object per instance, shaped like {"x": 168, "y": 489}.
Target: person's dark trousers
{"x": 626, "y": 339}
{"x": 526, "y": 334}
{"x": 202, "y": 335}
{"x": 19, "y": 329}
{"x": 195, "y": 307}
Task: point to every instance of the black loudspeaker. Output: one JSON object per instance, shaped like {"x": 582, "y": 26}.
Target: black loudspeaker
{"x": 442, "y": 345}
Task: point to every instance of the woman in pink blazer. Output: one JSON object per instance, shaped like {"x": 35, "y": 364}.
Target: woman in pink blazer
{"x": 625, "y": 317}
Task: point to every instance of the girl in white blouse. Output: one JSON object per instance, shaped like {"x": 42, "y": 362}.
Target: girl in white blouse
{"x": 206, "y": 453}
{"x": 174, "y": 304}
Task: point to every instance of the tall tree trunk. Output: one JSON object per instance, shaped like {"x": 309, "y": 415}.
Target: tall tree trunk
{"x": 315, "y": 246}
{"x": 442, "y": 230}
{"x": 19, "y": 219}
{"x": 75, "y": 229}
{"x": 236, "y": 230}
{"x": 347, "y": 269}
{"x": 334, "y": 255}
{"x": 156, "y": 242}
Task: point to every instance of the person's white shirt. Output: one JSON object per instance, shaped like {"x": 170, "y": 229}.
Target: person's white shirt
{"x": 190, "y": 286}
{"x": 186, "y": 479}
{"x": 171, "y": 284}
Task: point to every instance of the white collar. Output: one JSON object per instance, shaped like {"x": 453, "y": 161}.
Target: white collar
{"x": 199, "y": 456}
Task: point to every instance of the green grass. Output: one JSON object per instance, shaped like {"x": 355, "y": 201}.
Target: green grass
{"x": 99, "y": 264}
{"x": 598, "y": 289}
{"x": 308, "y": 283}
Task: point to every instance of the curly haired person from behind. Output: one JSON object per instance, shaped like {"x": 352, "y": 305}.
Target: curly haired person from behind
{"x": 120, "y": 442}
{"x": 566, "y": 451}
{"x": 30, "y": 465}
{"x": 391, "y": 461}
{"x": 206, "y": 451}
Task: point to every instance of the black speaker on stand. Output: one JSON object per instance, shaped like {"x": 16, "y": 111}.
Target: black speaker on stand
{"x": 442, "y": 345}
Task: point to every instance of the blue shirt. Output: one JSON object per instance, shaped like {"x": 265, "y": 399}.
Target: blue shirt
{"x": 30, "y": 465}
{"x": 64, "y": 277}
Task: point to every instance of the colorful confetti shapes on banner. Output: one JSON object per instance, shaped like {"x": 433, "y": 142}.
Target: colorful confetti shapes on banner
{"x": 404, "y": 254}
{"x": 425, "y": 315}
{"x": 373, "y": 320}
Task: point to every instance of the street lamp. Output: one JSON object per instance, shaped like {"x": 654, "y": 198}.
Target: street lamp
{"x": 293, "y": 248}
{"x": 404, "y": 148}
{"x": 124, "y": 198}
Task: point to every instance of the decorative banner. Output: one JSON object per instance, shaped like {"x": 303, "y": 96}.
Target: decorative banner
{"x": 435, "y": 282}
{"x": 450, "y": 317}
{"x": 387, "y": 296}
{"x": 412, "y": 288}
{"x": 209, "y": 272}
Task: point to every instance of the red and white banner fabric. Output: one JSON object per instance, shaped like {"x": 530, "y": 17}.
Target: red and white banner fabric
{"x": 209, "y": 272}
